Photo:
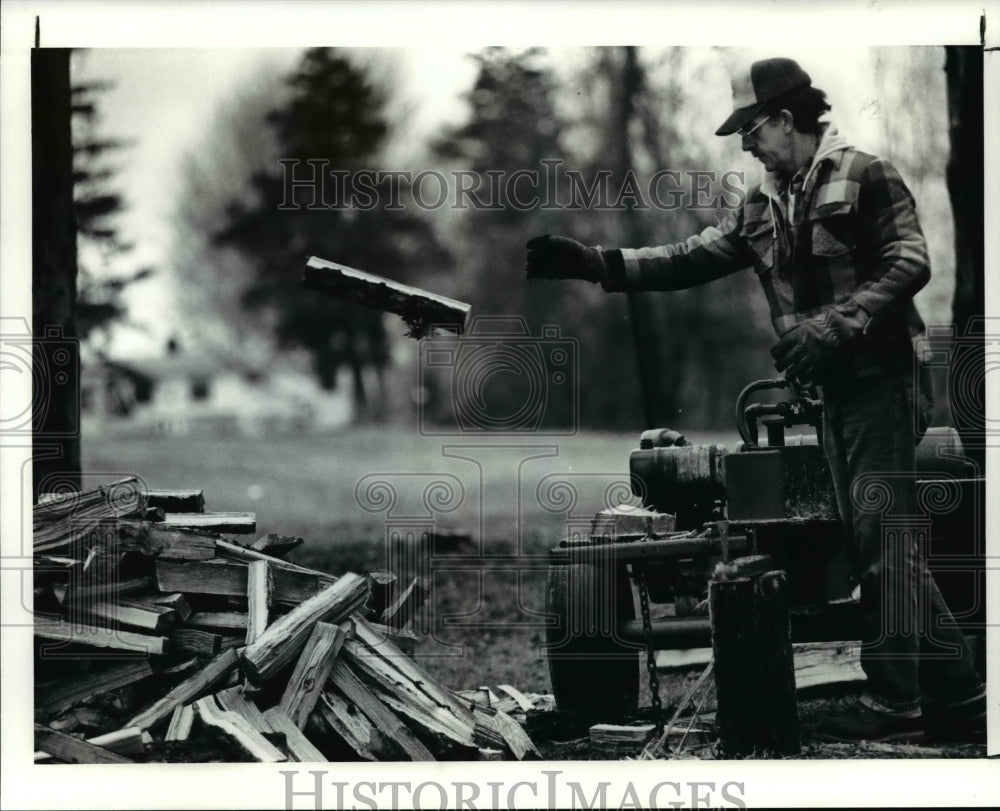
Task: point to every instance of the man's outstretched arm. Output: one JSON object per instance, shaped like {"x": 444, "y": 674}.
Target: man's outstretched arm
{"x": 716, "y": 252}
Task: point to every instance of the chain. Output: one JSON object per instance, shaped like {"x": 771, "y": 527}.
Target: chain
{"x": 639, "y": 573}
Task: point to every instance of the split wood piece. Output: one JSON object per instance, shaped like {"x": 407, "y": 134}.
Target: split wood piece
{"x": 224, "y": 620}
{"x": 55, "y": 699}
{"x": 390, "y": 660}
{"x": 276, "y": 545}
{"x": 86, "y": 717}
{"x": 300, "y": 748}
{"x": 382, "y": 585}
{"x": 61, "y": 520}
{"x": 111, "y": 589}
{"x": 486, "y": 736}
{"x": 194, "y": 640}
{"x": 520, "y": 698}
{"x": 157, "y": 619}
{"x": 229, "y": 579}
{"x": 177, "y": 602}
{"x": 754, "y": 669}
{"x": 406, "y": 606}
{"x": 235, "y": 523}
{"x": 181, "y": 722}
{"x": 68, "y": 749}
{"x": 237, "y": 728}
{"x": 177, "y": 501}
{"x": 381, "y": 716}
{"x": 285, "y": 637}
{"x": 150, "y": 514}
{"x": 345, "y": 721}
{"x": 746, "y": 566}
{"x": 234, "y": 699}
{"x": 616, "y": 522}
{"x": 233, "y": 551}
{"x": 188, "y": 690}
{"x": 449, "y": 722}
{"x": 618, "y": 735}
{"x": 402, "y": 638}
{"x": 161, "y": 541}
{"x": 820, "y": 663}
{"x": 311, "y": 672}
{"x": 128, "y": 741}
{"x": 513, "y": 735}
{"x": 260, "y": 587}
{"x": 422, "y": 311}
{"x": 101, "y": 637}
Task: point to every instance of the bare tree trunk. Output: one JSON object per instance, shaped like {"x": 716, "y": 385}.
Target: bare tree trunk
{"x": 964, "y": 71}
{"x": 56, "y": 392}
{"x": 658, "y": 401}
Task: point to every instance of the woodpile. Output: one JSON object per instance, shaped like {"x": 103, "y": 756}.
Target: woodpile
{"x": 157, "y": 637}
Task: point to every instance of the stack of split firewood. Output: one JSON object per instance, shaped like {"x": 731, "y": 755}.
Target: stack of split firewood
{"x": 159, "y": 638}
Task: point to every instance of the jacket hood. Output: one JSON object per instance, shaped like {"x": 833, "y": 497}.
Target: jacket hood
{"x": 831, "y": 142}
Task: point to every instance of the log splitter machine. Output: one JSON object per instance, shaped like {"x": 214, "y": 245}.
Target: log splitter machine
{"x": 705, "y": 505}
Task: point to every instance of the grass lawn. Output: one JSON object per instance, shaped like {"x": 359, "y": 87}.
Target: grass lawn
{"x": 345, "y": 493}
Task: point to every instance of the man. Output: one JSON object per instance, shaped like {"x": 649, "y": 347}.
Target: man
{"x": 833, "y": 236}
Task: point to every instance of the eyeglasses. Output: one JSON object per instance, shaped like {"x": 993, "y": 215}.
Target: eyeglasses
{"x": 743, "y": 133}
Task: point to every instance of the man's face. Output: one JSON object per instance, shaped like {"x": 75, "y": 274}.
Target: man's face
{"x": 768, "y": 142}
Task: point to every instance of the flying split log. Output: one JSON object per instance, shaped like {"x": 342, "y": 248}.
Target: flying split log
{"x": 311, "y": 672}
{"x": 754, "y": 668}
{"x": 285, "y": 637}
{"x": 422, "y": 311}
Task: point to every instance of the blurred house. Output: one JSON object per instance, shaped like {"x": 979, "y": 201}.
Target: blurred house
{"x": 185, "y": 394}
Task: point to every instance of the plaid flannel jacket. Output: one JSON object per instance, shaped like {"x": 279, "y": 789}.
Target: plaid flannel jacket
{"x": 855, "y": 245}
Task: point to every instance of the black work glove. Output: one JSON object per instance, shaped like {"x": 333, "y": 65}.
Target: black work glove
{"x": 807, "y": 350}
{"x": 551, "y": 257}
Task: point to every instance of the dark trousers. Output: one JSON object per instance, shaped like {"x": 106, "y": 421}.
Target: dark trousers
{"x": 911, "y": 647}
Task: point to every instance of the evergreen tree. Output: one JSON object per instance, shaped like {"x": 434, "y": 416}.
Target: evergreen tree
{"x": 335, "y": 118}
{"x": 97, "y": 205}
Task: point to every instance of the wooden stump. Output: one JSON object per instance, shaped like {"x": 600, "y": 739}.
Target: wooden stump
{"x": 754, "y": 669}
